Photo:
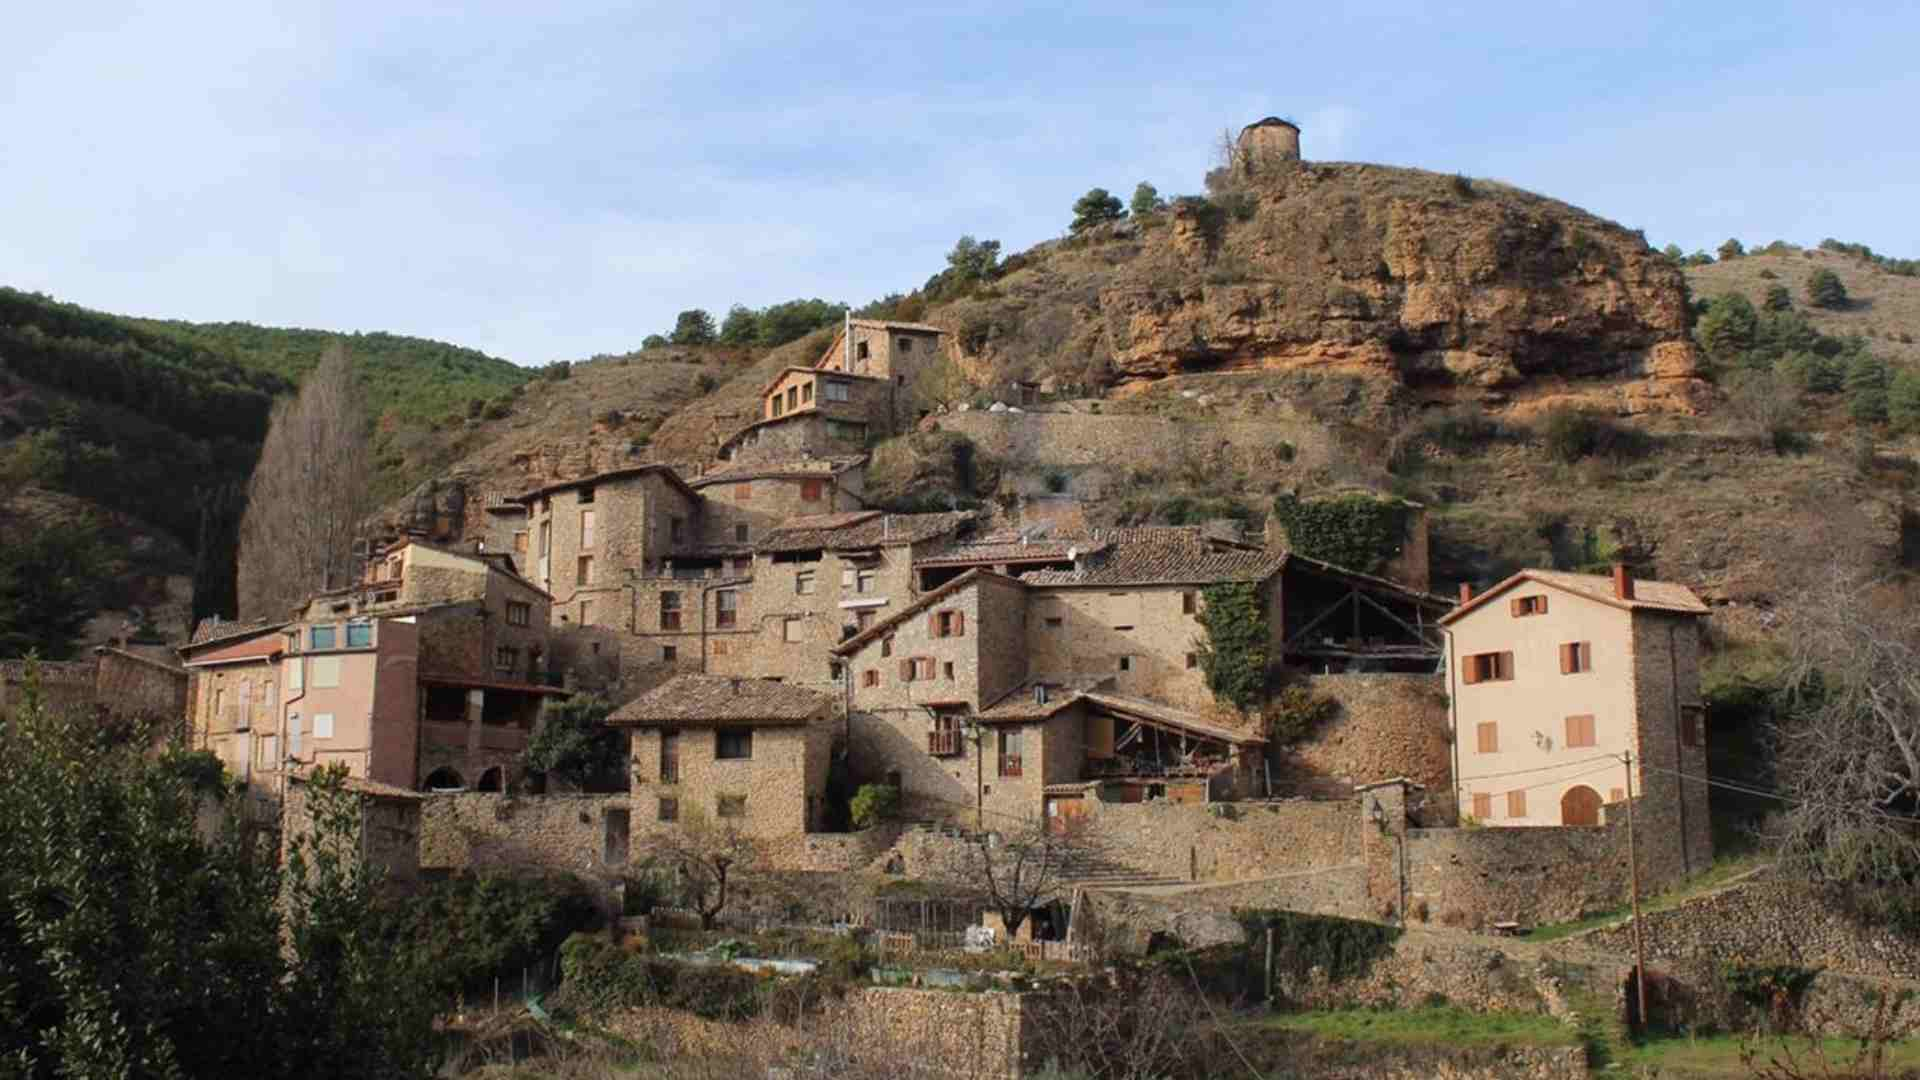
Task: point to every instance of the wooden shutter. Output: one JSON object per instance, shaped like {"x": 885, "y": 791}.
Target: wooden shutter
{"x": 959, "y": 624}
{"x": 1516, "y": 804}
{"x": 933, "y": 625}
{"x": 1583, "y": 656}
{"x": 1514, "y": 607}
{"x": 906, "y": 670}
{"x": 1470, "y": 670}
{"x": 1540, "y": 605}
{"x": 1566, "y": 659}
{"x": 1503, "y": 665}
{"x": 1488, "y": 736}
{"x": 1482, "y": 806}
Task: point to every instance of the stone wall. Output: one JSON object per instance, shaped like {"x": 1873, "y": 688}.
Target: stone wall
{"x": 1096, "y": 442}
{"x": 989, "y": 1035}
{"x": 1227, "y": 841}
{"x": 1768, "y": 921}
{"x": 1388, "y": 726}
{"x": 134, "y": 684}
{"x": 1666, "y": 677}
{"x": 1478, "y": 876}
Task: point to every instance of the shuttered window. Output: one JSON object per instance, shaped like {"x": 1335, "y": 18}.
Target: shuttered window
{"x": 1482, "y": 806}
{"x": 1527, "y": 605}
{"x": 1488, "y": 738}
{"x": 1576, "y": 657}
{"x": 1486, "y": 667}
{"x": 947, "y": 624}
{"x": 1516, "y": 804}
{"x": 1580, "y": 731}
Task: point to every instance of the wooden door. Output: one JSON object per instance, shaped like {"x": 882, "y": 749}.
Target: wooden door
{"x": 1580, "y": 806}
{"x": 1063, "y": 810}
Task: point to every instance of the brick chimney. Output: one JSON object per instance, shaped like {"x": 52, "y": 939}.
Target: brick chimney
{"x": 1466, "y": 591}
{"x": 1622, "y": 582}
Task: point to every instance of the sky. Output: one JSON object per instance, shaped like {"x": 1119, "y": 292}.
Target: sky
{"x": 550, "y": 181}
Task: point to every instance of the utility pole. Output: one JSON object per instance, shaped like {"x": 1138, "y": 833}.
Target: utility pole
{"x": 1633, "y": 877}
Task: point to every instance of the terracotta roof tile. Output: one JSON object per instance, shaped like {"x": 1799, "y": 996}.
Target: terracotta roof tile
{"x": 715, "y": 699}
{"x": 860, "y": 529}
{"x": 927, "y": 599}
{"x": 1164, "y": 555}
{"x": 882, "y": 324}
{"x": 1647, "y": 595}
{"x": 610, "y": 475}
{"x": 801, "y": 468}
{"x": 1011, "y": 547}
{"x": 217, "y": 629}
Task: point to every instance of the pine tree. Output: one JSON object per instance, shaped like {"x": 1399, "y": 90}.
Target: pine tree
{"x": 1096, "y": 207}
{"x": 1825, "y": 290}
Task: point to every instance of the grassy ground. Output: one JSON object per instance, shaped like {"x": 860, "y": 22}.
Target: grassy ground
{"x": 1713, "y": 1057}
{"x": 1441, "y": 1024}
{"x": 1722, "y": 871}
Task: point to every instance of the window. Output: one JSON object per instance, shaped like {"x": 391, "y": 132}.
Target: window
{"x": 519, "y": 614}
{"x": 739, "y": 534}
{"x": 846, "y": 431}
{"x": 886, "y": 645}
{"x": 905, "y": 344}
{"x": 836, "y": 390}
{"x": 669, "y": 611}
{"x": 1579, "y": 732}
{"x": 726, "y": 607}
{"x": 806, "y": 392}
{"x": 506, "y": 658}
{"x": 948, "y": 624}
{"x": 520, "y": 542}
{"x": 323, "y": 725}
{"x": 583, "y": 573}
{"x": 1527, "y": 605}
{"x": 803, "y": 583}
{"x": 835, "y": 669}
{"x": 1126, "y": 663}
{"x": 359, "y": 635}
{"x": 546, "y": 537}
{"x": 743, "y": 491}
{"x": 733, "y": 744}
{"x": 586, "y": 495}
{"x": 1576, "y": 657}
{"x": 742, "y": 567}
{"x": 675, "y": 527}
{"x": 669, "y": 653}
{"x": 1516, "y": 804}
{"x": 730, "y": 806}
{"x": 1487, "y": 667}
{"x": 586, "y": 528}
{"x": 946, "y": 670}
{"x": 293, "y": 735}
{"x": 326, "y": 672}
{"x": 1054, "y": 622}
{"x": 1193, "y": 661}
{"x": 669, "y": 810}
{"x": 870, "y": 678}
{"x": 722, "y": 648}
{"x": 778, "y": 406}
{"x": 1616, "y": 795}
{"x": 1482, "y": 806}
{"x": 296, "y": 674}
{"x": 812, "y": 490}
{"x": 863, "y": 618}
{"x": 546, "y": 503}
{"x": 793, "y": 398}
{"x": 863, "y": 581}
{"x": 790, "y": 630}
{"x": 586, "y": 613}
{"x": 916, "y": 668}
{"x": 1123, "y": 629}
{"x": 860, "y": 350}
{"x": 1489, "y": 738}
{"x": 1693, "y": 725}
{"x": 1010, "y": 752}
{"x": 669, "y": 757}
{"x": 323, "y": 637}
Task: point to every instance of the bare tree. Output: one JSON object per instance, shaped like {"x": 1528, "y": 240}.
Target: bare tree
{"x": 706, "y": 855}
{"x": 1869, "y": 1056}
{"x": 940, "y": 383}
{"x": 1029, "y": 865}
{"x": 1848, "y": 743}
{"x": 1765, "y": 406}
{"x": 309, "y": 493}
{"x": 1128, "y": 1025}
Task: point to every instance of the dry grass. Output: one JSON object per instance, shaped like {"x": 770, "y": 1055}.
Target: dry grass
{"x": 1884, "y": 306}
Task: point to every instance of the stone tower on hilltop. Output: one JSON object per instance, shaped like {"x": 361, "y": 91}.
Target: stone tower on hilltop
{"x": 1268, "y": 144}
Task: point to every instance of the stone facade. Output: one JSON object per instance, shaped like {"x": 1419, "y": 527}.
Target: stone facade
{"x": 779, "y": 791}
{"x": 585, "y": 536}
{"x": 1386, "y": 726}
{"x": 120, "y": 681}
{"x": 389, "y": 831}
{"x": 988, "y": 1036}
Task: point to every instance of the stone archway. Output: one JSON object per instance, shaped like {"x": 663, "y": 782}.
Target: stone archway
{"x": 493, "y": 779}
{"x": 443, "y": 778}
{"x": 1580, "y": 806}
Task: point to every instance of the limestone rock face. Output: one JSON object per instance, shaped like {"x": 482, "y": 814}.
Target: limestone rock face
{"x": 1400, "y": 273}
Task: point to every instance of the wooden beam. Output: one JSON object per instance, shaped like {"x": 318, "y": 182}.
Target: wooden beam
{"x": 1403, "y": 624}
{"x": 1332, "y": 610}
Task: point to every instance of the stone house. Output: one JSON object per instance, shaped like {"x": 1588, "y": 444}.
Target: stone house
{"x": 1554, "y": 677}
{"x": 751, "y": 753}
{"x": 742, "y": 503}
{"x": 117, "y": 680}
{"x": 881, "y": 349}
{"x": 387, "y": 829}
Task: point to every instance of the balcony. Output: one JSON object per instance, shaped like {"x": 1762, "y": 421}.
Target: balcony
{"x": 1009, "y": 764}
{"x": 945, "y": 743}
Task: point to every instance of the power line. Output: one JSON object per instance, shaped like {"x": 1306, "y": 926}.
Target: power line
{"x": 1609, "y": 758}
{"x": 1764, "y": 793}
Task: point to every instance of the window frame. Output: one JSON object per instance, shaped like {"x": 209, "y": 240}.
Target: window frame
{"x": 1581, "y": 732}
{"x": 519, "y": 613}
{"x": 332, "y": 631}
{"x": 1486, "y": 737}
{"x": 726, "y": 608}
{"x": 733, "y": 744}
{"x": 670, "y": 610}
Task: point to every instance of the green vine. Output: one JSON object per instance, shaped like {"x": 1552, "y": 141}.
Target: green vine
{"x": 1233, "y": 646}
{"x": 1354, "y": 532}
{"x": 1342, "y": 948}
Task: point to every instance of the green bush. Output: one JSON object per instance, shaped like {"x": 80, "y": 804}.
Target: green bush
{"x": 1825, "y": 290}
{"x": 874, "y": 803}
{"x": 1355, "y": 532}
{"x": 1463, "y": 186}
{"x": 472, "y": 929}
{"x": 1867, "y": 381}
{"x": 654, "y": 341}
{"x": 498, "y": 409}
{"x": 1571, "y": 434}
{"x": 1096, "y": 207}
{"x": 1233, "y": 645}
{"x": 693, "y": 327}
{"x": 1779, "y": 298}
{"x": 1296, "y": 713}
{"x": 1146, "y": 200}
{"x": 557, "y": 371}
{"x": 1903, "y": 400}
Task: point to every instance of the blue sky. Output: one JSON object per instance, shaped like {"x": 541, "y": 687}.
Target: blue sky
{"x": 547, "y": 181}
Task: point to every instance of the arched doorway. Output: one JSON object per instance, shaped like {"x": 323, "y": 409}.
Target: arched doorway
{"x": 489, "y": 780}
{"x": 443, "y": 779}
{"x": 1580, "y": 806}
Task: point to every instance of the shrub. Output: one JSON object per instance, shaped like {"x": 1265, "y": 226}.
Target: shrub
{"x": 1778, "y": 298}
{"x": 1867, "y": 389}
{"x": 1903, "y": 400}
{"x": 1233, "y": 646}
{"x": 1463, "y": 186}
{"x": 1146, "y": 200}
{"x": 1768, "y": 275}
{"x": 556, "y": 371}
{"x": 498, "y": 409}
{"x": 1240, "y": 205}
{"x": 1731, "y": 249}
{"x": 1056, "y": 482}
{"x": 1728, "y": 327}
{"x": 1572, "y": 434}
{"x": 1296, "y": 713}
{"x": 653, "y": 341}
{"x": 1814, "y": 373}
{"x": 1766, "y": 406}
{"x": 1462, "y": 429}
{"x": 1825, "y": 290}
{"x": 706, "y": 383}
{"x": 1096, "y": 207}
{"x": 874, "y": 803}
{"x": 693, "y": 327}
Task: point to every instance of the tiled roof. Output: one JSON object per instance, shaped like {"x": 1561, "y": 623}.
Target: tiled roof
{"x": 605, "y": 477}
{"x": 1647, "y": 595}
{"x": 1018, "y": 706}
{"x": 214, "y": 629}
{"x": 802, "y": 468}
{"x": 860, "y": 529}
{"x": 1164, "y": 555}
{"x": 1010, "y": 547}
{"x": 364, "y": 786}
{"x": 882, "y": 324}
{"x": 859, "y": 641}
{"x": 716, "y": 699}
{"x": 791, "y": 368}
{"x": 1155, "y": 712}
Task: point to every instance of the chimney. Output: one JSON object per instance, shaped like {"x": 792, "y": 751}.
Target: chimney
{"x": 1622, "y": 582}
{"x": 1466, "y": 591}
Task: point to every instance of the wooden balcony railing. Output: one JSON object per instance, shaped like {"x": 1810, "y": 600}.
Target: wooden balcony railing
{"x": 944, "y": 743}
